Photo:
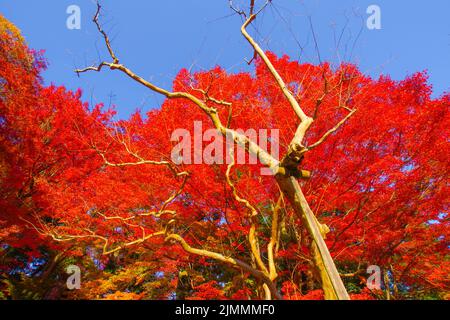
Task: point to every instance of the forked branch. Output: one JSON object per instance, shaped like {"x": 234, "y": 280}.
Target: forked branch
{"x": 229, "y": 260}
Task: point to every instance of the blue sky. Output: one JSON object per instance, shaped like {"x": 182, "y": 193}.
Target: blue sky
{"x": 157, "y": 38}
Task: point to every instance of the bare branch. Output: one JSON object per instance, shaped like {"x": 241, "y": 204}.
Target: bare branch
{"x": 209, "y": 98}
{"x": 229, "y": 260}
{"x": 331, "y": 131}
{"x": 90, "y": 234}
{"x": 245, "y": 202}
{"x": 252, "y": 236}
{"x": 105, "y": 36}
{"x": 293, "y": 102}
{"x": 92, "y": 68}
{"x": 238, "y": 11}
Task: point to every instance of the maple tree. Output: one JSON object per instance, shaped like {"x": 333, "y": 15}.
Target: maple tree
{"x": 365, "y": 157}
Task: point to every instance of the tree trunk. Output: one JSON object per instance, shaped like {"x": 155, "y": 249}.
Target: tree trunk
{"x": 332, "y": 284}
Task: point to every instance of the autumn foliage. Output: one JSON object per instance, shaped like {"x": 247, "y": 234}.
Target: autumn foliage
{"x": 78, "y": 187}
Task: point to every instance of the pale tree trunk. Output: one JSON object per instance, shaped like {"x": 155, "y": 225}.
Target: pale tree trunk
{"x": 332, "y": 284}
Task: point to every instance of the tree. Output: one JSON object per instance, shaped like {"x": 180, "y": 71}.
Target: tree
{"x": 365, "y": 157}
{"x": 38, "y": 147}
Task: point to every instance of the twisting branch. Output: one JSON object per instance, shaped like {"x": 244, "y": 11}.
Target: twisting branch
{"x": 45, "y": 231}
{"x": 105, "y": 36}
{"x": 92, "y": 68}
{"x": 229, "y": 260}
{"x": 137, "y": 163}
{"x": 245, "y": 202}
{"x": 140, "y": 159}
{"x": 252, "y": 236}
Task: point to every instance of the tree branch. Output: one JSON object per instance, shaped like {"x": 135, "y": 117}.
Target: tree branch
{"x": 252, "y": 236}
{"x": 232, "y": 261}
{"x": 292, "y": 101}
{"x": 331, "y": 131}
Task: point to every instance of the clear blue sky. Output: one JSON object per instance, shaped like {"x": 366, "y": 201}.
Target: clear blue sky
{"x": 157, "y": 38}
